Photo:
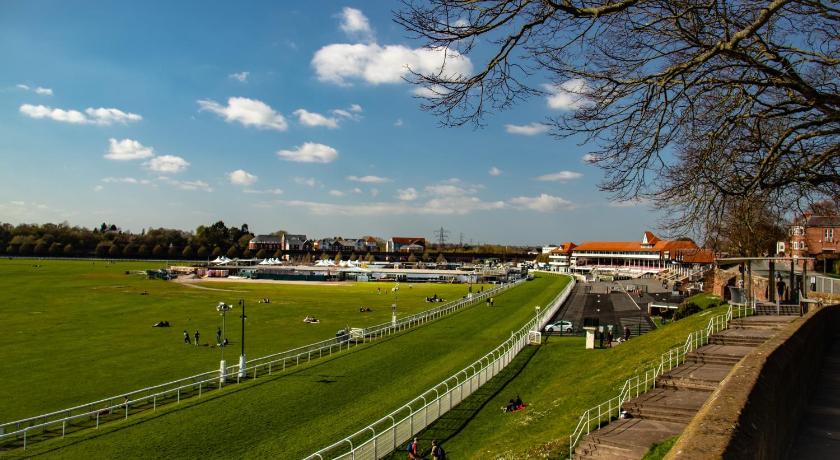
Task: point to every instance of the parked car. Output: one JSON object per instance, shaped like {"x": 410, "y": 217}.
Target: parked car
{"x": 560, "y": 326}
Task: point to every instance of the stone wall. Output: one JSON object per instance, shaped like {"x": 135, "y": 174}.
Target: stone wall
{"x": 755, "y": 412}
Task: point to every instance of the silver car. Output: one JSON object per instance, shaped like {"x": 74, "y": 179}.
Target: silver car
{"x": 560, "y": 326}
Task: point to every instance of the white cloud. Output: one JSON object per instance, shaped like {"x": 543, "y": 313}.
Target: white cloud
{"x": 356, "y": 190}
{"x": 452, "y": 188}
{"x": 531, "y": 129}
{"x": 570, "y": 95}
{"x": 369, "y": 179}
{"x": 242, "y": 77}
{"x": 268, "y": 191}
{"x": 356, "y": 108}
{"x": 308, "y": 181}
{"x": 98, "y": 188}
{"x": 407, "y": 194}
{"x": 248, "y": 112}
{"x": 542, "y": 203}
{"x": 167, "y": 164}
{"x": 448, "y": 206}
{"x": 127, "y": 149}
{"x": 194, "y": 185}
{"x": 374, "y": 192}
{"x": 126, "y": 180}
{"x": 398, "y": 123}
{"x": 100, "y": 116}
{"x": 310, "y": 152}
{"x": 589, "y": 158}
{"x": 494, "y": 171}
{"x": 429, "y": 92}
{"x": 336, "y": 193}
{"x": 560, "y": 176}
{"x": 341, "y": 63}
{"x": 37, "y": 90}
{"x": 354, "y": 112}
{"x": 241, "y": 177}
{"x": 355, "y": 24}
{"x": 307, "y": 118}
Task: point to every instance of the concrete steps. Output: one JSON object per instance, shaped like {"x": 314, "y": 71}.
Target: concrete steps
{"x": 667, "y": 404}
{"x": 694, "y": 377}
{"x": 718, "y": 354}
{"x": 636, "y": 325}
{"x": 665, "y": 411}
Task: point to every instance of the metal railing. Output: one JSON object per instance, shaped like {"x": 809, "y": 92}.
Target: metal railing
{"x": 602, "y": 414}
{"x": 395, "y": 429}
{"x": 825, "y": 285}
{"x": 21, "y": 433}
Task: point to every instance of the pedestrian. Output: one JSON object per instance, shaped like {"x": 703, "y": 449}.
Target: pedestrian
{"x": 626, "y": 332}
{"x": 601, "y": 338}
{"x": 437, "y": 451}
{"x": 412, "y": 450}
{"x": 492, "y": 301}
{"x": 186, "y": 337}
{"x": 609, "y": 338}
{"x": 197, "y": 335}
{"x": 218, "y": 336}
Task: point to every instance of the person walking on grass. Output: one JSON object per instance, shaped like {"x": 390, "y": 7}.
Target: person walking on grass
{"x": 218, "y": 336}
{"x": 412, "y": 450}
{"x": 437, "y": 451}
{"x": 186, "y": 337}
{"x": 197, "y": 335}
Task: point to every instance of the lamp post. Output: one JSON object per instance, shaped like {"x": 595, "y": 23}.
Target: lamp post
{"x": 222, "y": 308}
{"x": 537, "y": 318}
{"x": 395, "y": 289}
{"x": 242, "y": 354}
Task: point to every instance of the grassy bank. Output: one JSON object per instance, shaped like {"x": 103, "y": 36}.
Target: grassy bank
{"x": 560, "y": 381}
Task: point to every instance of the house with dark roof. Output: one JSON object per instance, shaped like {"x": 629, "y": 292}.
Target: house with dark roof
{"x": 267, "y": 242}
{"x": 813, "y": 236}
{"x": 405, "y": 244}
{"x": 293, "y": 242}
{"x": 560, "y": 257}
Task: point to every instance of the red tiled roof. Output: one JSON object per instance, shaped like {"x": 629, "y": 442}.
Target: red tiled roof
{"x": 696, "y": 256}
{"x": 404, "y": 240}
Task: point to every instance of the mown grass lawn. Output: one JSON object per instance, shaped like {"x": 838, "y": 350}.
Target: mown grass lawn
{"x": 294, "y": 414}
{"x": 560, "y": 381}
{"x": 78, "y": 331}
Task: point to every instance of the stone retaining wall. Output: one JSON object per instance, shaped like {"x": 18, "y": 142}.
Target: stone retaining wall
{"x": 754, "y": 413}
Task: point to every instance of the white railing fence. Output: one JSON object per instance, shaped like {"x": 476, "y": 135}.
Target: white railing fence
{"x": 602, "y": 414}
{"x": 392, "y": 431}
{"x": 825, "y": 285}
{"x": 21, "y": 433}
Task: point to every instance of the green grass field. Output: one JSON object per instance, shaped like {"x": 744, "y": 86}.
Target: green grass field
{"x": 560, "y": 381}
{"x": 291, "y": 415}
{"x": 78, "y": 331}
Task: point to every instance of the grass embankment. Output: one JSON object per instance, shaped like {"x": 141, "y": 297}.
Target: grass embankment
{"x": 561, "y": 380}
{"x": 293, "y": 415}
{"x": 78, "y": 331}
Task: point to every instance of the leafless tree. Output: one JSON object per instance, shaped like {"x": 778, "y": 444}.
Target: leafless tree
{"x": 692, "y": 104}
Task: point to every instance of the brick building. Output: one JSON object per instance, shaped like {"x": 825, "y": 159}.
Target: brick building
{"x": 813, "y": 236}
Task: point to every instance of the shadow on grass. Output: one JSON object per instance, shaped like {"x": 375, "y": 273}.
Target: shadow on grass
{"x": 452, "y": 422}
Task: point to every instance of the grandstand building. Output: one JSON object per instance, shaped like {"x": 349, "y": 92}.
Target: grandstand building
{"x": 649, "y": 256}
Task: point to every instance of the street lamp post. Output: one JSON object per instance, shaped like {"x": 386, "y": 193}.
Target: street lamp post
{"x": 395, "y": 289}
{"x": 537, "y": 318}
{"x": 242, "y": 354}
{"x": 222, "y": 308}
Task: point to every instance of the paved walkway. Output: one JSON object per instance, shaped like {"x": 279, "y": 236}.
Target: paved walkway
{"x": 819, "y": 430}
{"x": 666, "y": 410}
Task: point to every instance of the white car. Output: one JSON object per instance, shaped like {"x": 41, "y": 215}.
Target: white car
{"x": 560, "y": 326}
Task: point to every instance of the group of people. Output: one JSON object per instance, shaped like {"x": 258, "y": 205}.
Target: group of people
{"x": 414, "y": 453}
{"x": 161, "y": 324}
{"x": 364, "y": 309}
{"x": 264, "y": 300}
{"x": 434, "y": 298}
{"x": 311, "y": 320}
{"x": 197, "y": 336}
{"x": 490, "y": 301}
{"x": 514, "y": 405}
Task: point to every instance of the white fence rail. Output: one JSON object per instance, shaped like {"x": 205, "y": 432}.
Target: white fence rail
{"x": 602, "y": 414}
{"x": 21, "y": 433}
{"x": 825, "y": 285}
{"x": 395, "y": 429}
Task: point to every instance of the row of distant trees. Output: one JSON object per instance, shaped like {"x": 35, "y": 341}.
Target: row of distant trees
{"x": 108, "y": 240}
{"x": 207, "y": 241}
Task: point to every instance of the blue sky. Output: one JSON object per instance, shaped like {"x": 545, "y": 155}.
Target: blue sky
{"x": 281, "y": 115}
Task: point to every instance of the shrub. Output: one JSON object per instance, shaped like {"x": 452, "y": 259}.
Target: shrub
{"x": 686, "y": 309}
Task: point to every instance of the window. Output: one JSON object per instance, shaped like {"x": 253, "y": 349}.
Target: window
{"x": 829, "y": 235}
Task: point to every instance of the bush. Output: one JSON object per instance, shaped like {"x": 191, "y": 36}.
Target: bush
{"x": 686, "y": 309}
